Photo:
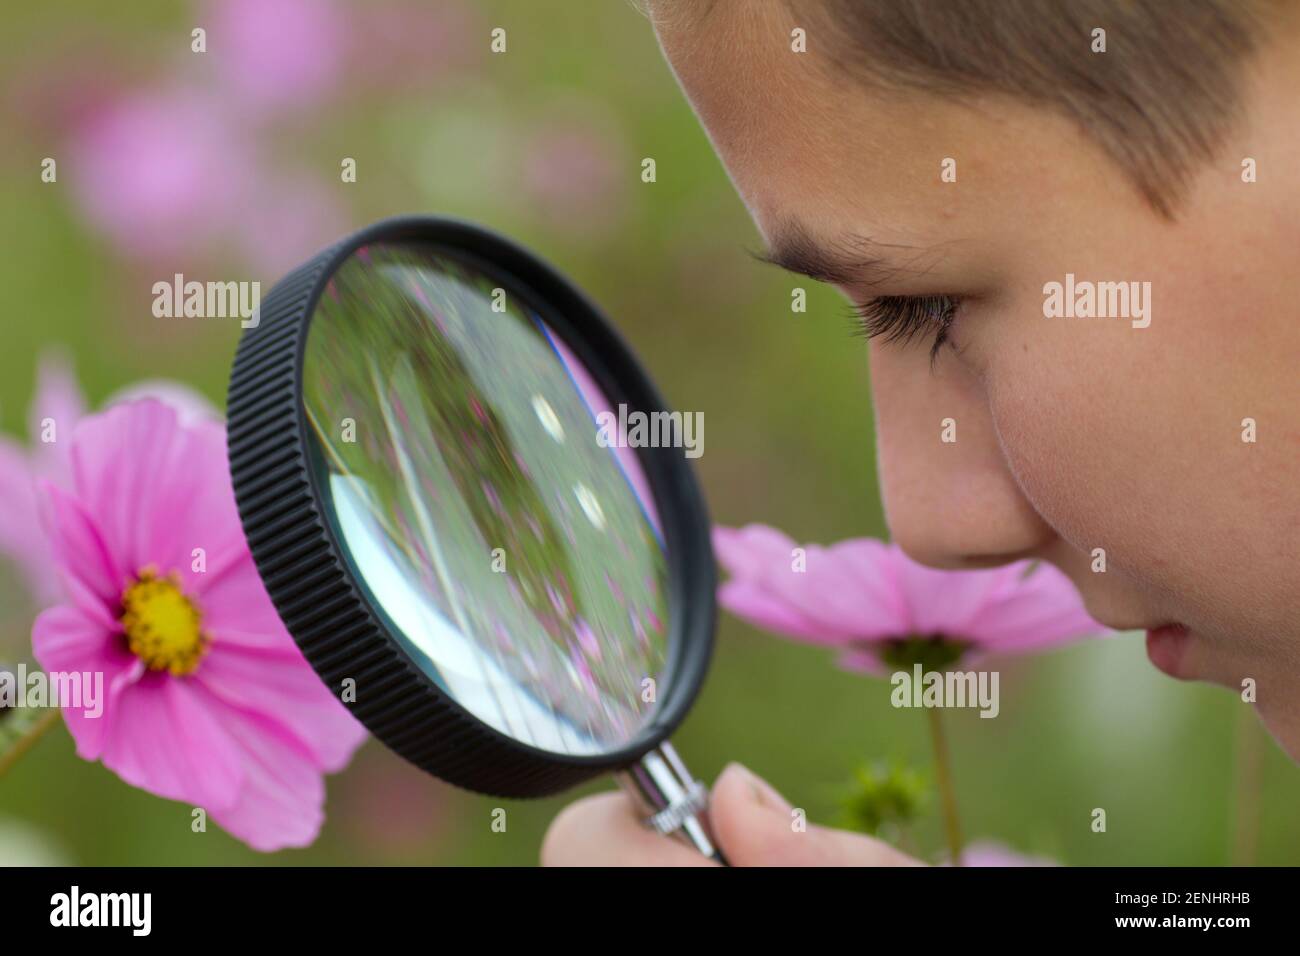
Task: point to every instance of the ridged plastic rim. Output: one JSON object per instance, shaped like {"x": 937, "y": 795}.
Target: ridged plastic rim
{"x": 305, "y": 568}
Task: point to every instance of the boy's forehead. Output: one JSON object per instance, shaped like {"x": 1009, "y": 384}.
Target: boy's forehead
{"x": 799, "y": 144}
{"x": 805, "y": 140}
{"x": 720, "y": 50}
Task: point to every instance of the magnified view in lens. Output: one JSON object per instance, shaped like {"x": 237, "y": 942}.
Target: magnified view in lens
{"x": 514, "y": 554}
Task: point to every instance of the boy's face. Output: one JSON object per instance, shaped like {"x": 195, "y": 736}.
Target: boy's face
{"x": 1072, "y": 434}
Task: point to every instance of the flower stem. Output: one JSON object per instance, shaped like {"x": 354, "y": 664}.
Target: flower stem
{"x": 1247, "y": 779}
{"x": 943, "y": 778}
{"x": 24, "y": 743}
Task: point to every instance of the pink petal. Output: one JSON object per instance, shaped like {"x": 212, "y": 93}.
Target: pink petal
{"x": 93, "y": 578}
{"x": 988, "y": 853}
{"x": 755, "y": 604}
{"x": 237, "y": 608}
{"x": 22, "y": 539}
{"x": 863, "y": 590}
{"x": 863, "y": 661}
{"x": 165, "y": 739}
{"x": 58, "y": 399}
{"x": 158, "y": 490}
{"x": 282, "y": 689}
{"x": 119, "y": 458}
{"x": 281, "y": 801}
{"x": 847, "y": 588}
{"x": 750, "y": 551}
{"x": 1043, "y": 610}
{"x": 190, "y": 406}
{"x": 67, "y": 639}
{"x": 195, "y": 513}
{"x": 842, "y": 593}
{"x": 947, "y": 602}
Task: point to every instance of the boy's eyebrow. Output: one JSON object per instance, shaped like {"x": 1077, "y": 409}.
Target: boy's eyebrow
{"x": 850, "y": 259}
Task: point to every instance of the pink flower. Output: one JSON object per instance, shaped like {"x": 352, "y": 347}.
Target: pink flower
{"x": 990, "y": 853}
{"x": 56, "y": 408}
{"x": 572, "y": 170}
{"x": 870, "y": 601}
{"x": 278, "y": 54}
{"x": 286, "y": 221}
{"x": 206, "y": 698}
{"x": 161, "y": 171}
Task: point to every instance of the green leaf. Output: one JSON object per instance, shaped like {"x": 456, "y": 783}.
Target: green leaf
{"x": 884, "y": 796}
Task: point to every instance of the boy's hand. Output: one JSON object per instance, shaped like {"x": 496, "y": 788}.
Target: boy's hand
{"x": 751, "y": 823}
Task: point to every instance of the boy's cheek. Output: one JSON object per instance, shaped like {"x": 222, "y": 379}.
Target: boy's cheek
{"x": 1120, "y": 439}
{"x": 1080, "y": 426}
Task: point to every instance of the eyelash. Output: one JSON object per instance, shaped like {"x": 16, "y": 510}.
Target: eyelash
{"x": 902, "y": 318}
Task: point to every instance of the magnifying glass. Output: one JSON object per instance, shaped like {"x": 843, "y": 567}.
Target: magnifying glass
{"x": 428, "y": 441}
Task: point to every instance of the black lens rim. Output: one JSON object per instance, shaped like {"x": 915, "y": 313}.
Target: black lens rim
{"x": 307, "y": 571}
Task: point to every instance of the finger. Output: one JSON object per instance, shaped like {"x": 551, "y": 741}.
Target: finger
{"x": 606, "y": 830}
{"x": 756, "y": 826}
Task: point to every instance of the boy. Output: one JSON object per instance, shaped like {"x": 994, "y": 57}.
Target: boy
{"x": 1077, "y": 227}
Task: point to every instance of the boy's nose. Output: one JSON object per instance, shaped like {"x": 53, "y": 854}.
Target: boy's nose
{"x": 950, "y": 500}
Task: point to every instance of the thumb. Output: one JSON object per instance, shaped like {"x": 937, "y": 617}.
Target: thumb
{"x": 755, "y": 826}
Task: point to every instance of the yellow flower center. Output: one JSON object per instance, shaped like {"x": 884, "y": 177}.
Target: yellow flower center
{"x": 163, "y": 626}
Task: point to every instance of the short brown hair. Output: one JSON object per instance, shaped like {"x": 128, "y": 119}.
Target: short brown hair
{"x": 1159, "y": 100}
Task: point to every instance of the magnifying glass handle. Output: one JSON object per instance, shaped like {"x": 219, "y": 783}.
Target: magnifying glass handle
{"x": 675, "y": 802}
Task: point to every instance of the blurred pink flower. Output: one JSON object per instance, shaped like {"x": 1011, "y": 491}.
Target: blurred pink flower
{"x": 53, "y": 86}
{"x": 413, "y": 44}
{"x": 158, "y": 171}
{"x": 207, "y": 698}
{"x": 392, "y": 808}
{"x": 277, "y": 54}
{"x": 177, "y": 168}
{"x": 287, "y": 222}
{"x": 188, "y": 404}
{"x": 22, "y": 540}
{"x": 58, "y": 403}
{"x": 866, "y": 598}
{"x": 990, "y": 853}
{"x": 572, "y": 171}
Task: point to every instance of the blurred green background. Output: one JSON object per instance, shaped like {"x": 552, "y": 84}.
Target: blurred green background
{"x": 545, "y": 143}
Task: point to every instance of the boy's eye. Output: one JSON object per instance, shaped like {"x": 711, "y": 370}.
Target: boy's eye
{"x": 901, "y": 318}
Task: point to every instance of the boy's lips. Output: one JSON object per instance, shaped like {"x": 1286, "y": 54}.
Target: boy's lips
{"x": 1166, "y": 647}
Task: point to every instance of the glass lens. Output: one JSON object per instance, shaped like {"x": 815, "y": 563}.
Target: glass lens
{"x": 513, "y": 548}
